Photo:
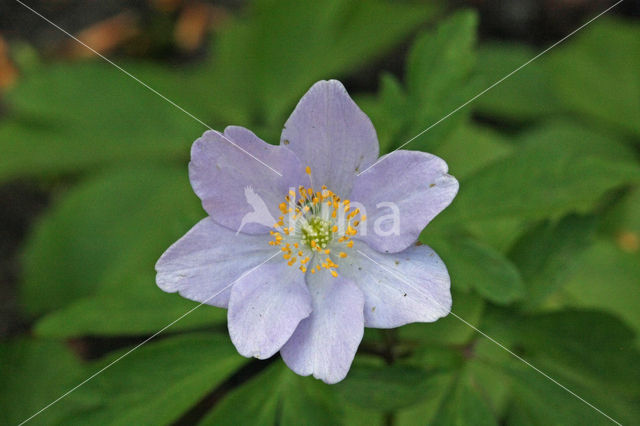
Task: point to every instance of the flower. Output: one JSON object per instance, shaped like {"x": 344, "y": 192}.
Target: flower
{"x": 288, "y": 247}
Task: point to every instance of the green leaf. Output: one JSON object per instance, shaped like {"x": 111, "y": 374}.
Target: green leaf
{"x": 276, "y": 396}
{"x": 547, "y": 255}
{"x": 271, "y": 58}
{"x": 158, "y": 382}
{"x": 472, "y": 147}
{"x": 357, "y": 416}
{"x": 526, "y": 95}
{"x": 606, "y": 277}
{"x": 538, "y": 401}
{"x": 67, "y": 118}
{"x": 440, "y": 61}
{"x": 464, "y": 404}
{"x": 558, "y": 169}
{"x": 132, "y": 307}
{"x": 473, "y": 264}
{"x": 591, "y": 353}
{"x": 581, "y": 73}
{"x": 438, "y": 80}
{"x": 33, "y": 373}
{"x": 622, "y": 221}
{"x": 457, "y": 399}
{"x": 70, "y": 117}
{"x": 448, "y": 330}
{"x": 387, "y": 387}
{"x": 391, "y": 97}
{"x": 110, "y": 229}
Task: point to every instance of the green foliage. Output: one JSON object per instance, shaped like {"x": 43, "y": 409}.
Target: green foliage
{"x": 66, "y": 118}
{"x": 386, "y": 388}
{"x": 542, "y": 242}
{"x": 156, "y": 383}
{"x": 95, "y": 226}
{"x": 606, "y": 277}
{"x": 277, "y": 396}
{"x": 438, "y": 79}
{"x": 560, "y": 169}
{"x": 548, "y": 252}
{"x": 473, "y": 264}
{"x": 589, "y": 352}
{"x": 32, "y": 374}
{"x": 615, "y": 101}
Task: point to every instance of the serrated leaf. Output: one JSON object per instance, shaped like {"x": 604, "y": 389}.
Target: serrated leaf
{"x": 158, "y": 382}
{"x": 276, "y": 397}
{"x": 285, "y": 46}
{"x": 581, "y": 73}
{"x": 439, "y": 61}
{"x": 556, "y": 171}
{"x": 437, "y": 81}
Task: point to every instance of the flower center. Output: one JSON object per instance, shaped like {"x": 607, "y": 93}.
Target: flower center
{"x": 318, "y": 230}
{"x": 314, "y": 228}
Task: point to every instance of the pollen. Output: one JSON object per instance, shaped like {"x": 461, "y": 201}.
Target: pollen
{"x": 318, "y": 223}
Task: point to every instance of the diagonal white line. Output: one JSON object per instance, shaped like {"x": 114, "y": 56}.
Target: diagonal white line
{"x": 497, "y": 82}
{"x": 492, "y": 339}
{"x": 146, "y": 85}
{"x": 143, "y": 342}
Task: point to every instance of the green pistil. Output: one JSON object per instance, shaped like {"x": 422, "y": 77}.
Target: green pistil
{"x": 317, "y": 230}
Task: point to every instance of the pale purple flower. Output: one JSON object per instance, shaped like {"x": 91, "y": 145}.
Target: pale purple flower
{"x": 328, "y": 279}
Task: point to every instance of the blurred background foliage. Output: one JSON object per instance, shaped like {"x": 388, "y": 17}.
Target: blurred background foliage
{"x": 542, "y": 243}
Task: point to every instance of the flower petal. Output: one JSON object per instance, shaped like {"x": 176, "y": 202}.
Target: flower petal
{"x": 399, "y": 288}
{"x": 409, "y": 187}
{"x": 242, "y": 183}
{"x": 331, "y": 135}
{"x": 265, "y": 308}
{"x": 207, "y": 259}
{"x": 325, "y": 343}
